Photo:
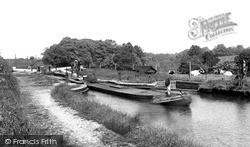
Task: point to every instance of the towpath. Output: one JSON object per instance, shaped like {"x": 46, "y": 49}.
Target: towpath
{"x": 55, "y": 119}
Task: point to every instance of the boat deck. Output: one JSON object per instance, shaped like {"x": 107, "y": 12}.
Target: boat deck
{"x": 152, "y": 96}
{"x": 106, "y": 87}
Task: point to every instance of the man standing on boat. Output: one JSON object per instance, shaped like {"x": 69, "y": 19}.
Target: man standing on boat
{"x": 168, "y": 85}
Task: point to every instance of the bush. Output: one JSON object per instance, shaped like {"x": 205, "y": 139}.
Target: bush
{"x": 12, "y": 118}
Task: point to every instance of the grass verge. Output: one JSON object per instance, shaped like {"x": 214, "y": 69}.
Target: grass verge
{"x": 18, "y": 116}
{"x": 111, "y": 119}
{"x": 13, "y": 120}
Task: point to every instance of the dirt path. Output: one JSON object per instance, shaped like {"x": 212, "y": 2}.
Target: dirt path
{"x": 62, "y": 120}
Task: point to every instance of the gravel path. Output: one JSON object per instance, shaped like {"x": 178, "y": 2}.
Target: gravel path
{"x": 76, "y": 130}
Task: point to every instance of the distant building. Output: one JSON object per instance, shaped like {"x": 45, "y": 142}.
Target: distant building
{"x": 145, "y": 69}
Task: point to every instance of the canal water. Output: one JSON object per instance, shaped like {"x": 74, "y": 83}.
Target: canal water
{"x": 211, "y": 120}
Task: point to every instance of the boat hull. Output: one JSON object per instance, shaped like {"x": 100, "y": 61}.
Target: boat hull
{"x": 58, "y": 74}
{"x": 75, "y": 81}
{"x": 141, "y": 94}
{"x": 106, "y": 89}
{"x": 80, "y": 89}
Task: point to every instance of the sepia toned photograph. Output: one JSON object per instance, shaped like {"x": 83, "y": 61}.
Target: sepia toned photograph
{"x": 124, "y": 73}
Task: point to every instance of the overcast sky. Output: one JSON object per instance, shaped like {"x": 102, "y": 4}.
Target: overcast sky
{"x": 158, "y": 26}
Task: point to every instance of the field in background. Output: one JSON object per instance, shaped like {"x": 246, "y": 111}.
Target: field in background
{"x": 23, "y": 63}
{"x": 131, "y": 76}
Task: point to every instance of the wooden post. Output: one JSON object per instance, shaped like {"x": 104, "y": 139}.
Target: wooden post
{"x": 119, "y": 76}
{"x": 66, "y": 77}
{"x": 189, "y": 69}
{"x": 72, "y": 70}
{"x": 115, "y": 66}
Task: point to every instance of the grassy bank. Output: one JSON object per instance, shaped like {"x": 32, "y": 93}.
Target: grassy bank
{"x": 13, "y": 120}
{"x": 134, "y": 77}
{"x": 226, "y": 87}
{"x": 128, "y": 127}
{"x": 117, "y": 122}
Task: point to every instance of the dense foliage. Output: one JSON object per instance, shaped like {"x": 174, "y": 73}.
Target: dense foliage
{"x": 199, "y": 58}
{"x": 244, "y": 55}
{"x": 208, "y": 59}
{"x": 12, "y": 118}
{"x": 93, "y": 53}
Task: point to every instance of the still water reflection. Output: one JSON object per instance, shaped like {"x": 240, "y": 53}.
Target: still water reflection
{"x": 210, "y": 120}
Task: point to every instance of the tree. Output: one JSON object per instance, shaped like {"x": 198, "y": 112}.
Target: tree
{"x": 140, "y": 56}
{"x": 184, "y": 68}
{"x": 125, "y": 57}
{"x": 244, "y": 55}
{"x": 32, "y": 57}
{"x": 209, "y": 59}
{"x": 58, "y": 56}
{"x": 194, "y": 50}
{"x": 96, "y": 53}
{"x": 221, "y": 50}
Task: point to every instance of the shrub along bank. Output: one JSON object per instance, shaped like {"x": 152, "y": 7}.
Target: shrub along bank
{"x": 12, "y": 115}
{"x": 226, "y": 87}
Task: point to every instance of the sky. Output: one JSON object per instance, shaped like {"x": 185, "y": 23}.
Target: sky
{"x": 27, "y": 27}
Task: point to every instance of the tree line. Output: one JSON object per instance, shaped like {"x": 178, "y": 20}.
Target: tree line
{"x": 208, "y": 59}
{"x": 108, "y": 54}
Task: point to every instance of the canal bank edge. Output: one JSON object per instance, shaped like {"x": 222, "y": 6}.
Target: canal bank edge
{"x": 238, "y": 93}
{"x": 188, "y": 85}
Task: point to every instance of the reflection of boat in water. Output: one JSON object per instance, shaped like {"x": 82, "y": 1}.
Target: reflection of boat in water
{"x": 152, "y": 96}
{"x": 186, "y": 111}
{"x": 174, "y": 100}
{"x": 82, "y": 88}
